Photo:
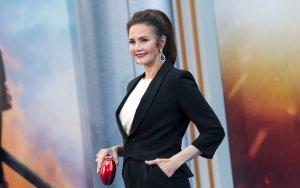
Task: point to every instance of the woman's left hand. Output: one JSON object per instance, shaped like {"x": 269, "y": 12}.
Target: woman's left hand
{"x": 168, "y": 166}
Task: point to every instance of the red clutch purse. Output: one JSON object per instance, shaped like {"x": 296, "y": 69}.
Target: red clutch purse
{"x": 107, "y": 170}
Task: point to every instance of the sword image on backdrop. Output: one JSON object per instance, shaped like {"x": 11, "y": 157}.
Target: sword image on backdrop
{"x": 5, "y": 156}
{"x": 5, "y": 104}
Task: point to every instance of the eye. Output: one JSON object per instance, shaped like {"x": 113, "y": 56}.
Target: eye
{"x": 131, "y": 42}
{"x": 145, "y": 40}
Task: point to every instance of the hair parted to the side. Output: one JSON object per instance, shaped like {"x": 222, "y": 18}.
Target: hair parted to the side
{"x": 163, "y": 27}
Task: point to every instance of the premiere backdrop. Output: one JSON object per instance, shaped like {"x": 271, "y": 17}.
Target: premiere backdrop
{"x": 42, "y": 129}
{"x": 259, "y": 45}
{"x": 67, "y": 66}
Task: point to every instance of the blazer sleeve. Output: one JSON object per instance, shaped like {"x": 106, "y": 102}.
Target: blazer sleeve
{"x": 201, "y": 114}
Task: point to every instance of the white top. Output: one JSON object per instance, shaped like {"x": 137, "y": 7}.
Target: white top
{"x": 128, "y": 110}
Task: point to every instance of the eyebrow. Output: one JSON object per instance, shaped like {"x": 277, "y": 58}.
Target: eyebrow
{"x": 141, "y": 37}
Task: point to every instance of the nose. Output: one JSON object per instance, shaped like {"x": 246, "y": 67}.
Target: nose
{"x": 138, "y": 46}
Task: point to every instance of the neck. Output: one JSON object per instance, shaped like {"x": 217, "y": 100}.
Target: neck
{"x": 151, "y": 70}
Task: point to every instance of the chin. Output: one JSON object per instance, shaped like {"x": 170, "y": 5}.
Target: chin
{"x": 140, "y": 62}
{"x": 143, "y": 62}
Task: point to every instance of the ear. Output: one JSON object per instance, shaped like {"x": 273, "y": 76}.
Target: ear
{"x": 162, "y": 41}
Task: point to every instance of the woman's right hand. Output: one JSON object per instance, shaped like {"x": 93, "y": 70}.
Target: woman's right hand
{"x": 113, "y": 151}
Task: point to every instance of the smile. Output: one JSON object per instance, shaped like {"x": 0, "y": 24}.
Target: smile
{"x": 140, "y": 55}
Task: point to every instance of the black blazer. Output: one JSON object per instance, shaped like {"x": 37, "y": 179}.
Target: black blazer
{"x": 170, "y": 102}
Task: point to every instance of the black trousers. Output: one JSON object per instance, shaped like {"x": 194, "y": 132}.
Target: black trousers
{"x": 136, "y": 174}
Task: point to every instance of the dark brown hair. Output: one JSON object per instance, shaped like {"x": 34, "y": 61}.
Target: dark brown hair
{"x": 162, "y": 26}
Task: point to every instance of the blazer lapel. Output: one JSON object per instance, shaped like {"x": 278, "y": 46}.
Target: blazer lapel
{"x": 135, "y": 82}
{"x": 149, "y": 96}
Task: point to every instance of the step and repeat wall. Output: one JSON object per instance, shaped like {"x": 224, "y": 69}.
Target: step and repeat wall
{"x": 42, "y": 129}
{"x": 67, "y": 66}
{"x": 259, "y": 46}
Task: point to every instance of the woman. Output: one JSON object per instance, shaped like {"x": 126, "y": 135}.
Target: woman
{"x": 155, "y": 113}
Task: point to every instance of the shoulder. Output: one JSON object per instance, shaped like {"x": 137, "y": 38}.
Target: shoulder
{"x": 182, "y": 81}
{"x": 179, "y": 75}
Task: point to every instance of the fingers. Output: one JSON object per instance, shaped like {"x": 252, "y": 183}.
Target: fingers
{"x": 115, "y": 158}
{"x": 99, "y": 158}
{"x": 98, "y": 168}
{"x": 152, "y": 162}
{"x": 163, "y": 164}
{"x": 103, "y": 153}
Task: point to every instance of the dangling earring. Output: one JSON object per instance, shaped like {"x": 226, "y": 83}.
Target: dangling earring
{"x": 162, "y": 56}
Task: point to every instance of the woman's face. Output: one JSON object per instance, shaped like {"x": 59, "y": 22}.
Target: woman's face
{"x": 143, "y": 44}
